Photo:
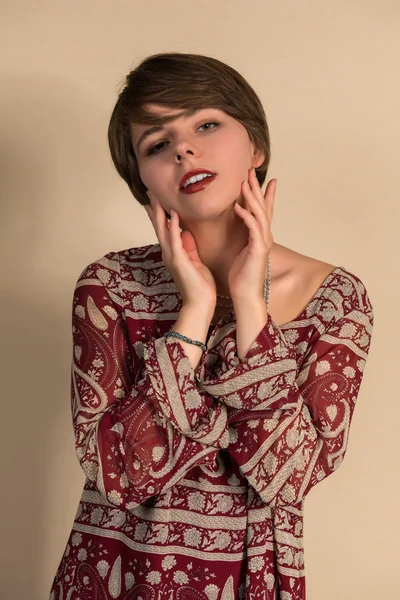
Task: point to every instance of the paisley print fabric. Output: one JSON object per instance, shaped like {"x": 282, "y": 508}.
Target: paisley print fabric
{"x": 196, "y": 480}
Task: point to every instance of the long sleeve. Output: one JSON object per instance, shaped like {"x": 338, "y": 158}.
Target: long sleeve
{"x": 292, "y": 424}
{"x": 137, "y": 434}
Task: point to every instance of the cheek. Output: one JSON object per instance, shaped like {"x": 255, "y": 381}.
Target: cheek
{"x": 148, "y": 176}
{"x": 155, "y": 179}
{"x": 143, "y": 175}
{"x": 239, "y": 152}
{"x": 239, "y": 165}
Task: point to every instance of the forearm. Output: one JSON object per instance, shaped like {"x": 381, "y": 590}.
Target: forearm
{"x": 193, "y": 322}
{"x": 251, "y": 317}
{"x": 171, "y": 367}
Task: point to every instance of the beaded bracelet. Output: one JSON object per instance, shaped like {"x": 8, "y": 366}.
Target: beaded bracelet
{"x": 184, "y": 338}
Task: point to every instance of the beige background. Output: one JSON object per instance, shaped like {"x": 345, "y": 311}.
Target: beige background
{"x": 327, "y": 74}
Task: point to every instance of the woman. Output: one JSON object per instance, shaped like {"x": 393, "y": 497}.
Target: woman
{"x": 215, "y": 373}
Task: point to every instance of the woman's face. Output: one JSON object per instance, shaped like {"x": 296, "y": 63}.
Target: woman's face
{"x": 210, "y": 139}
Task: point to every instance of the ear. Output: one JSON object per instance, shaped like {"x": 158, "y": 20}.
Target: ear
{"x": 257, "y": 158}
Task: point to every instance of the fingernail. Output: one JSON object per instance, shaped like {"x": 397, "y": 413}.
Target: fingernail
{"x": 171, "y": 211}
{"x": 246, "y": 184}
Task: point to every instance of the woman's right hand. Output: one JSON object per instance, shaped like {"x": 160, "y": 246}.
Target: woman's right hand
{"x": 194, "y": 280}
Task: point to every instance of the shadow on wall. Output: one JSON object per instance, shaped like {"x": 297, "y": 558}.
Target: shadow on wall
{"x": 51, "y": 153}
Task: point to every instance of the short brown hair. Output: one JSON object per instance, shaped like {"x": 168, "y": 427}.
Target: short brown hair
{"x": 188, "y": 82}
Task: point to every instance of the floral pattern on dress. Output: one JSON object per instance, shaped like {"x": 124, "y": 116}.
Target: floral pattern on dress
{"x": 196, "y": 481}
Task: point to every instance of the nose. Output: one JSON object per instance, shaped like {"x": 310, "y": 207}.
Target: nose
{"x": 179, "y": 156}
{"x": 184, "y": 147}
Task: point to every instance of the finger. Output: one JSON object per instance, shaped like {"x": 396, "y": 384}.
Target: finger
{"x": 255, "y": 231}
{"x": 175, "y": 240}
{"x": 256, "y": 190}
{"x": 266, "y": 199}
{"x": 255, "y": 187}
{"x": 257, "y": 210}
{"x": 270, "y": 198}
{"x": 254, "y": 204}
{"x": 159, "y": 221}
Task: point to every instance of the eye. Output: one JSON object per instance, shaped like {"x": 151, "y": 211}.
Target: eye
{"x": 156, "y": 149}
{"x": 209, "y": 123}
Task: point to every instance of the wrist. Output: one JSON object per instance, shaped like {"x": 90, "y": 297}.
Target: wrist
{"x": 249, "y": 303}
{"x": 193, "y": 322}
{"x": 251, "y": 318}
{"x": 199, "y": 312}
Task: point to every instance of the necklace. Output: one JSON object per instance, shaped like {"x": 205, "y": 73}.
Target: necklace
{"x": 267, "y": 288}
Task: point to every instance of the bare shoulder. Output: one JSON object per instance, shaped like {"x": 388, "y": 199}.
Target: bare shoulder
{"x": 295, "y": 278}
{"x": 298, "y": 267}
{"x": 313, "y": 271}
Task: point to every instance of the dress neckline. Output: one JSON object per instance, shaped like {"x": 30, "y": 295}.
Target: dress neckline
{"x": 229, "y": 316}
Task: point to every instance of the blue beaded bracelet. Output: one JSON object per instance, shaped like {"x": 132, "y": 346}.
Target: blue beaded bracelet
{"x": 184, "y": 338}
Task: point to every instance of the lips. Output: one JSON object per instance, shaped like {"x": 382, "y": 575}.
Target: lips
{"x": 192, "y": 173}
{"x": 192, "y": 188}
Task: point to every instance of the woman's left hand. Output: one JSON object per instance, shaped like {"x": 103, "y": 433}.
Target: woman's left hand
{"x": 246, "y": 275}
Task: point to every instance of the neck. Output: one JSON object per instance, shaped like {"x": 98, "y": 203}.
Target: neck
{"x": 219, "y": 241}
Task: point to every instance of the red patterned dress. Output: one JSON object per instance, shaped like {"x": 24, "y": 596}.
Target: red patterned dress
{"x": 196, "y": 480}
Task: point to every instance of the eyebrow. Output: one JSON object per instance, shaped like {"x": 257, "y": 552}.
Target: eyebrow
{"x": 155, "y": 128}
